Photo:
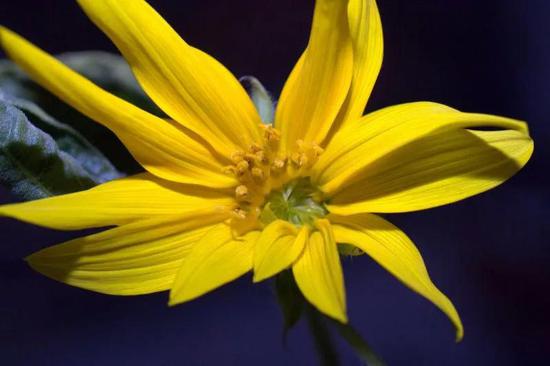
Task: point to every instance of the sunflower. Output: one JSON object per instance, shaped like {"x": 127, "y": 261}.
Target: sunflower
{"x": 224, "y": 194}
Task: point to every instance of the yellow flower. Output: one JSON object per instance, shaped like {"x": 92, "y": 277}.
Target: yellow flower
{"x": 224, "y": 194}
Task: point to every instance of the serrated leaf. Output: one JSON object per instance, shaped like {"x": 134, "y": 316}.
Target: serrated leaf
{"x": 260, "y": 97}
{"x": 31, "y": 164}
{"x": 109, "y": 71}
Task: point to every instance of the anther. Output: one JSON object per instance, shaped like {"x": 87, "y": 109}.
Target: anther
{"x": 256, "y": 159}
{"x": 241, "y": 192}
{"x": 242, "y": 167}
{"x": 258, "y": 174}
{"x": 239, "y": 213}
{"x": 271, "y": 134}
{"x": 317, "y": 149}
{"x": 303, "y": 160}
{"x": 255, "y": 148}
{"x": 237, "y": 156}
{"x": 279, "y": 163}
{"x": 230, "y": 170}
{"x": 261, "y": 157}
{"x": 250, "y": 158}
{"x": 295, "y": 158}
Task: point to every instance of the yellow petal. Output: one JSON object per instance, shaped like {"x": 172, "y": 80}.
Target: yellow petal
{"x": 218, "y": 258}
{"x": 117, "y": 202}
{"x": 277, "y": 248}
{"x": 368, "y": 49}
{"x": 138, "y": 258}
{"x": 160, "y": 146}
{"x": 436, "y": 170}
{"x": 394, "y": 251}
{"x": 318, "y": 273}
{"x": 186, "y": 83}
{"x": 361, "y": 143}
{"x": 319, "y": 83}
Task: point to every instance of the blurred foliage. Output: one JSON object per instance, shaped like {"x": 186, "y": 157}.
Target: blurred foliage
{"x": 109, "y": 71}
{"x": 31, "y": 163}
{"x": 43, "y": 150}
{"x": 260, "y": 97}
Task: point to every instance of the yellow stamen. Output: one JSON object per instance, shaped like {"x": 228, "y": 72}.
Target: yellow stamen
{"x": 258, "y": 174}
{"x": 241, "y": 192}
{"x": 278, "y": 164}
{"x": 242, "y": 167}
{"x": 237, "y": 156}
{"x": 255, "y": 148}
{"x": 259, "y": 170}
{"x": 239, "y": 213}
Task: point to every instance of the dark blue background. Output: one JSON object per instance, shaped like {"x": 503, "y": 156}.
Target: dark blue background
{"x": 489, "y": 254}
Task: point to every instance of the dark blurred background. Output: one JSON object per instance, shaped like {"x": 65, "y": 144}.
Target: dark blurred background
{"x": 489, "y": 254}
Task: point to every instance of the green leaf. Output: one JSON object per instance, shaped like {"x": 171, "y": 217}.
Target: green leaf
{"x": 289, "y": 298}
{"x": 260, "y": 97}
{"x": 109, "y": 71}
{"x": 31, "y": 163}
{"x": 68, "y": 140}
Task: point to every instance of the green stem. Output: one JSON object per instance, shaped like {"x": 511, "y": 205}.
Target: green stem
{"x": 359, "y": 345}
{"x": 294, "y": 305}
{"x": 321, "y": 336}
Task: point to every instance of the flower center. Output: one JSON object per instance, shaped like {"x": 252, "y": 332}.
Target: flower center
{"x": 272, "y": 185}
{"x": 298, "y": 202}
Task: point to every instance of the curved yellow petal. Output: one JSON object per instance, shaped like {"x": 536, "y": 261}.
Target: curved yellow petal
{"x": 318, "y": 273}
{"x": 394, "y": 251}
{"x": 218, "y": 258}
{"x": 319, "y": 83}
{"x": 278, "y": 246}
{"x": 186, "y": 83}
{"x": 438, "y": 169}
{"x": 138, "y": 258}
{"x": 361, "y": 143}
{"x": 160, "y": 146}
{"x": 368, "y": 51}
{"x": 118, "y": 202}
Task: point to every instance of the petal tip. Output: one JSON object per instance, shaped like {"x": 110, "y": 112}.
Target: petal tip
{"x": 344, "y": 319}
{"x": 260, "y": 275}
{"x": 4, "y": 32}
{"x": 341, "y": 317}
{"x": 9, "y": 210}
{"x": 179, "y": 296}
{"x": 32, "y": 259}
{"x": 7, "y": 36}
{"x": 256, "y": 278}
{"x": 172, "y": 303}
{"x": 459, "y": 334}
{"x": 174, "y": 300}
